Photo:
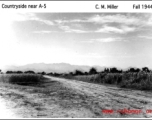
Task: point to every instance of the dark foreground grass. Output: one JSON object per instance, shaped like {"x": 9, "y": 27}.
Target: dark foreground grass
{"x": 141, "y": 80}
{"x": 22, "y": 79}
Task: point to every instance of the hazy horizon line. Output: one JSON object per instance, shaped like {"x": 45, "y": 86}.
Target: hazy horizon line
{"x": 122, "y": 68}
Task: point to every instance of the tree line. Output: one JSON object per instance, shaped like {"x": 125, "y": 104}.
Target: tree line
{"x": 106, "y": 70}
{"x": 91, "y": 71}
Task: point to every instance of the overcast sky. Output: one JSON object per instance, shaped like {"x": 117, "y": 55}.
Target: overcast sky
{"x": 105, "y": 39}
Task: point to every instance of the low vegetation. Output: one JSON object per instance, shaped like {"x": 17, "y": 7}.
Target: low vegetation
{"x": 132, "y": 78}
{"x": 142, "y": 81}
{"x": 22, "y": 79}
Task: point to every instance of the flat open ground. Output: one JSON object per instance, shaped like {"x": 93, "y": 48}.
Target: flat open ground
{"x": 62, "y": 98}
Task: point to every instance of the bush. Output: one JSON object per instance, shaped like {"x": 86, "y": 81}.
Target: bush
{"x": 25, "y": 79}
{"x": 92, "y": 71}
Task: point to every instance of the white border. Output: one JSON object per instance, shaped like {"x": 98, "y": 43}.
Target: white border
{"x": 78, "y": 6}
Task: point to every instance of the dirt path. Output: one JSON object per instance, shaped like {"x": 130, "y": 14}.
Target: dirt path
{"x": 113, "y": 98}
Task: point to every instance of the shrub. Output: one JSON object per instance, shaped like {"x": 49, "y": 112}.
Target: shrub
{"x": 24, "y": 79}
{"x": 92, "y": 71}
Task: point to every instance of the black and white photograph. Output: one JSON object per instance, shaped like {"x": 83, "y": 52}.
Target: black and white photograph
{"x": 76, "y": 65}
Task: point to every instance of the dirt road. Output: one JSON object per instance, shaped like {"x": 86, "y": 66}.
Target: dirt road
{"x": 107, "y": 97}
{"x": 62, "y": 98}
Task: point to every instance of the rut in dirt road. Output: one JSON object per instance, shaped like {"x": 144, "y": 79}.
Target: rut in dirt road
{"x": 102, "y": 97}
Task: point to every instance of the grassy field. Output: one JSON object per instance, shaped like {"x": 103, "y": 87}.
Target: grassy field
{"x": 141, "y": 81}
{"x": 21, "y": 79}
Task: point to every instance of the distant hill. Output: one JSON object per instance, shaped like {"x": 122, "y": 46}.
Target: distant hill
{"x": 55, "y": 67}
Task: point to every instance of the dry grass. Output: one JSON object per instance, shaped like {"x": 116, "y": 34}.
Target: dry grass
{"x": 21, "y": 79}
{"x": 141, "y": 81}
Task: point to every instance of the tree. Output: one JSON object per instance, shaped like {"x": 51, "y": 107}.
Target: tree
{"x": 120, "y": 71}
{"x": 43, "y": 73}
{"x": 145, "y": 69}
{"x": 138, "y": 70}
{"x": 132, "y": 70}
{"x": 114, "y": 70}
{"x": 93, "y": 71}
{"x": 85, "y": 73}
{"x": 19, "y": 72}
{"x": 106, "y": 70}
{"x": 71, "y": 73}
{"x": 31, "y": 72}
{"x": 9, "y": 72}
{"x": 78, "y": 72}
{"x": 47, "y": 74}
{"x": 56, "y": 74}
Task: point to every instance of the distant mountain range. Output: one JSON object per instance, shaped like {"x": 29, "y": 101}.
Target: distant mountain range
{"x": 55, "y": 67}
